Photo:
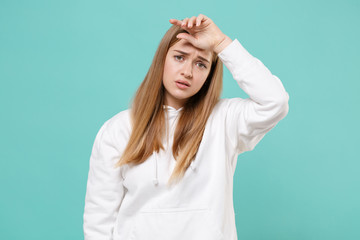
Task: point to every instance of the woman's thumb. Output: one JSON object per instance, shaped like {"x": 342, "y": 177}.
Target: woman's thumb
{"x": 187, "y": 37}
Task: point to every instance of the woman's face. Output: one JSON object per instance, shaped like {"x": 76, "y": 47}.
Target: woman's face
{"x": 185, "y": 71}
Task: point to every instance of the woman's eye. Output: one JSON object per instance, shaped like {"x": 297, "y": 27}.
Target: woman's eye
{"x": 202, "y": 65}
{"x": 178, "y": 57}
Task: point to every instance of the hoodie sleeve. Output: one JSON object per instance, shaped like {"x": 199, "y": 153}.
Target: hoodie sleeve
{"x": 248, "y": 120}
{"x": 104, "y": 192}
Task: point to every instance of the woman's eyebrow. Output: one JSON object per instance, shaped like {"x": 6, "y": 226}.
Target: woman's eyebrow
{"x": 185, "y": 53}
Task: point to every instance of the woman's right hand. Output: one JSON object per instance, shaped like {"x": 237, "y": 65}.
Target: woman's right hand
{"x": 204, "y": 34}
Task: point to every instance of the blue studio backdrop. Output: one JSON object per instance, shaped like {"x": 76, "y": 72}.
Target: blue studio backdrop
{"x": 68, "y": 66}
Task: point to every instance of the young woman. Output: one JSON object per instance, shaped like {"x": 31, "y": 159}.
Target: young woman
{"x": 163, "y": 170}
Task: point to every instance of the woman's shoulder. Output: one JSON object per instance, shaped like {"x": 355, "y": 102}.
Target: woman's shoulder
{"x": 119, "y": 125}
{"x": 120, "y": 117}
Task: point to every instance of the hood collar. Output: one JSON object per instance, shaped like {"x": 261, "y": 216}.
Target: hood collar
{"x": 171, "y": 111}
{"x": 172, "y": 108}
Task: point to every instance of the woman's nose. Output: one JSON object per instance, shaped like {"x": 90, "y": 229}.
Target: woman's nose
{"x": 187, "y": 70}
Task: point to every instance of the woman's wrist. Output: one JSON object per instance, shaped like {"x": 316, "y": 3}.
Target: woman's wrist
{"x": 226, "y": 41}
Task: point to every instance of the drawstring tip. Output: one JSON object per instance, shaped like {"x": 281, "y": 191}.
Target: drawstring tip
{"x": 155, "y": 181}
{"x": 192, "y": 166}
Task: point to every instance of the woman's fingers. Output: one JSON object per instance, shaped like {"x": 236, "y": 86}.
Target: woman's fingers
{"x": 192, "y": 21}
{"x": 199, "y": 19}
{"x": 200, "y": 31}
{"x": 189, "y": 22}
{"x": 184, "y": 22}
{"x": 175, "y": 21}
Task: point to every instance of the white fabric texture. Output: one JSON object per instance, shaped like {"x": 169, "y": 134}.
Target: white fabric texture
{"x": 135, "y": 203}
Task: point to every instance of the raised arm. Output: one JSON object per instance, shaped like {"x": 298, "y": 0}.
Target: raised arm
{"x": 246, "y": 120}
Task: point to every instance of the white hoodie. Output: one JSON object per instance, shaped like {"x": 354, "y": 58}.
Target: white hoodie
{"x": 134, "y": 203}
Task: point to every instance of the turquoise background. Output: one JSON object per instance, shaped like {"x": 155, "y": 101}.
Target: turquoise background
{"x": 68, "y": 66}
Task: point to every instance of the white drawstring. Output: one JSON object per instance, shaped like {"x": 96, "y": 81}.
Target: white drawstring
{"x": 155, "y": 180}
{"x": 193, "y": 166}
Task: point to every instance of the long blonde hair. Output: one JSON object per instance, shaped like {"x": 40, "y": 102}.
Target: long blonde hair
{"x": 148, "y": 119}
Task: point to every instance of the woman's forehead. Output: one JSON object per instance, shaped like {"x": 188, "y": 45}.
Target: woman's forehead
{"x": 188, "y": 47}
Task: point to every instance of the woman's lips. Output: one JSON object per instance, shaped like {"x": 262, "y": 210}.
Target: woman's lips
{"x": 181, "y": 85}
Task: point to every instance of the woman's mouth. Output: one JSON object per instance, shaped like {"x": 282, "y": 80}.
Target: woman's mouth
{"x": 182, "y": 84}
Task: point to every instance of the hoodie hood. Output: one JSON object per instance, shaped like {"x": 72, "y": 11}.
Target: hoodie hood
{"x": 171, "y": 116}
